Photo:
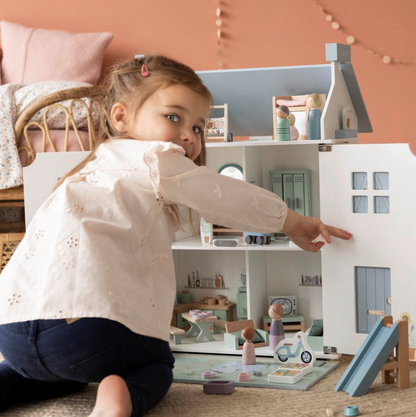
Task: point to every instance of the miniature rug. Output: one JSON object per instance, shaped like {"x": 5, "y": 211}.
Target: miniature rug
{"x": 189, "y": 368}
{"x": 188, "y": 400}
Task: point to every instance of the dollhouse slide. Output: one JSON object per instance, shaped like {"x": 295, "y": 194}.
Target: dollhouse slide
{"x": 369, "y": 360}
{"x": 189, "y": 368}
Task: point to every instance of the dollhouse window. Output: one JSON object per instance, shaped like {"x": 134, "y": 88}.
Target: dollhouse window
{"x": 381, "y": 181}
{"x": 359, "y": 181}
{"x": 382, "y": 204}
{"x": 360, "y": 204}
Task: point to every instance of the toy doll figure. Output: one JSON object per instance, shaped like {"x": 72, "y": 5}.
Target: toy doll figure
{"x": 314, "y": 103}
{"x": 294, "y": 132}
{"x": 249, "y": 354}
{"x": 283, "y": 124}
{"x": 276, "y": 327}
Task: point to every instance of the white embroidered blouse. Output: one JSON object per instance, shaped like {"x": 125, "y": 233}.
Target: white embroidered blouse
{"x": 100, "y": 245}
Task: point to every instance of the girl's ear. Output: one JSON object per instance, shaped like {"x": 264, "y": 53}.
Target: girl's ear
{"x": 118, "y": 117}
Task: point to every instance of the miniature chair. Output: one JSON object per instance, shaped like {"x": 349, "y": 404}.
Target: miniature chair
{"x": 234, "y": 340}
{"x": 176, "y": 334}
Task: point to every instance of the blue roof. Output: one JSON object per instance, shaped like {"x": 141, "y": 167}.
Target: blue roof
{"x": 364, "y": 124}
{"x": 249, "y": 93}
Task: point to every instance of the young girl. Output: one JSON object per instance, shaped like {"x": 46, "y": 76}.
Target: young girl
{"x": 89, "y": 293}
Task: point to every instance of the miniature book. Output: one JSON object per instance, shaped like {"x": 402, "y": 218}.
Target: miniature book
{"x": 290, "y": 373}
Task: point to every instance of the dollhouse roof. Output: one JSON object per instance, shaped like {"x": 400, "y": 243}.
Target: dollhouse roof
{"x": 248, "y": 93}
{"x": 364, "y": 124}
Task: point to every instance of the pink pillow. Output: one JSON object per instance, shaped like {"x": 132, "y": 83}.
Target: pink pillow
{"x": 33, "y": 55}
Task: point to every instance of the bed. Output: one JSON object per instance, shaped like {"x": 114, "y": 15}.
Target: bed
{"x": 64, "y": 120}
{"x": 49, "y": 102}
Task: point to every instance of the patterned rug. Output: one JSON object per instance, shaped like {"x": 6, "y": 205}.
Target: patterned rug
{"x": 188, "y": 400}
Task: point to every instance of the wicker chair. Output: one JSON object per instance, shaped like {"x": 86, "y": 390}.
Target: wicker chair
{"x": 8, "y": 244}
{"x": 14, "y": 197}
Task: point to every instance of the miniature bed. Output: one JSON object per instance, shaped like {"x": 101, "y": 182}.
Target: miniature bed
{"x": 65, "y": 120}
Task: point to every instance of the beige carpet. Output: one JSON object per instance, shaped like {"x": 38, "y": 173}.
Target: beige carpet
{"x": 185, "y": 400}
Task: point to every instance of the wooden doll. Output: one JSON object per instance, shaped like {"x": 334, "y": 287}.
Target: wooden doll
{"x": 294, "y": 132}
{"x": 282, "y": 125}
{"x": 314, "y": 103}
{"x": 276, "y": 326}
{"x": 249, "y": 354}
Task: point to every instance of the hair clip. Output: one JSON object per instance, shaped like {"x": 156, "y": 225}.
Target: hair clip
{"x": 145, "y": 71}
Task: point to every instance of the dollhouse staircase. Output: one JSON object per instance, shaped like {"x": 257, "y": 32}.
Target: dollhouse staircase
{"x": 375, "y": 355}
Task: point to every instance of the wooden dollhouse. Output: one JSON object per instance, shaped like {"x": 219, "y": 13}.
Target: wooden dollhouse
{"x": 357, "y": 187}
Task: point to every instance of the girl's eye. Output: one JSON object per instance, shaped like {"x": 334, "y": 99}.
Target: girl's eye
{"x": 197, "y": 129}
{"x": 173, "y": 118}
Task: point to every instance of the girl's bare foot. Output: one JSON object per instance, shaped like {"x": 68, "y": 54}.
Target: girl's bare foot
{"x": 113, "y": 398}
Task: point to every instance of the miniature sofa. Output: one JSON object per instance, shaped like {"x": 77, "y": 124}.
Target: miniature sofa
{"x": 234, "y": 340}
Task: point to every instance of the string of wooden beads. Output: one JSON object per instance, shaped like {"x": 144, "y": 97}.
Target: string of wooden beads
{"x": 218, "y": 24}
{"x": 387, "y": 59}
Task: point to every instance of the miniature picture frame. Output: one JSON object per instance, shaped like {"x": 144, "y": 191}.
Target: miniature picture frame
{"x": 208, "y": 282}
{"x": 217, "y": 127}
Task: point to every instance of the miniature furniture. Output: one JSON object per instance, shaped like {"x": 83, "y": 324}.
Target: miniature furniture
{"x": 315, "y": 335}
{"x": 377, "y": 354}
{"x": 177, "y": 335}
{"x": 200, "y": 327}
{"x": 290, "y": 323}
{"x": 315, "y": 341}
{"x": 241, "y": 297}
{"x": 224, "y": 313}
{"x": 293, "y": 186}
{"x": 234, "y": 340}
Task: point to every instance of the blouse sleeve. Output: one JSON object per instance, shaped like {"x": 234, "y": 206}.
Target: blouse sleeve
{"x": 217, "y": 198}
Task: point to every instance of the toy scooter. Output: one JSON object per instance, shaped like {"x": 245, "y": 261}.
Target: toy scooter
{"x": 285, "y": 352}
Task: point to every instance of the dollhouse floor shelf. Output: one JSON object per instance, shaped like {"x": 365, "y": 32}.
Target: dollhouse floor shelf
{"x": 194, "y": 243}
{"x": 310, "y": 285}
{"x": 317, "y": 142}
{"x": 207, "y": 288}
{"x": 188, "y": 345}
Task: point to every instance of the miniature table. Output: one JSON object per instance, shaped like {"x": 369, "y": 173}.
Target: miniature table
{"x": 225, "y": 313}
{"x": 200, "y": 326}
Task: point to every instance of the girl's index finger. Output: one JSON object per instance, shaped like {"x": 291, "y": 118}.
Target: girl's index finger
{"x": 339, "y": 233}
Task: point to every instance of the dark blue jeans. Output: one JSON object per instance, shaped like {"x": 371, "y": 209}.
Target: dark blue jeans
{"x": 49, "y": 358}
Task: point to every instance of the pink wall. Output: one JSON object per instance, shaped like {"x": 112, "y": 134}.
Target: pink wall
{"x": 263, "y": 33}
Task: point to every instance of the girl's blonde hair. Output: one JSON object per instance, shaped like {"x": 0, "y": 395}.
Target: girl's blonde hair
{"x": 126, "y": 84}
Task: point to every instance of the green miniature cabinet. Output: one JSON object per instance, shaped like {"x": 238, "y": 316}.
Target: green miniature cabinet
{"x": 293, "y": 187}
{"x": 242, "y": 305}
